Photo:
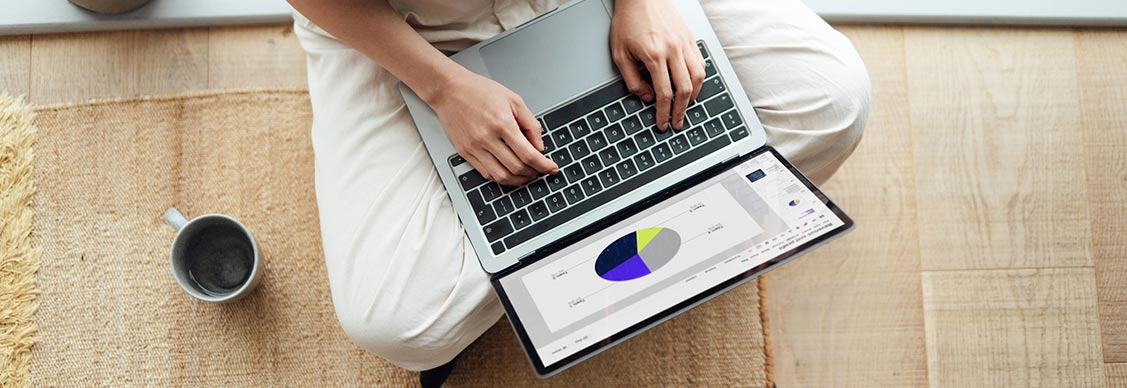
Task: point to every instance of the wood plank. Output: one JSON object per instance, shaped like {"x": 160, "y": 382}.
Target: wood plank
{"x": 849, "y": 314}
{"x": 998, "y": 156}
{"x": 71, "y": 67}
{"x": 1101, "y": 56}
{"x": 15, "y": 64}
{"x": 255, "y": 57}
{"x": 1116, "y": 375}
{"x": 1013, "y": 328}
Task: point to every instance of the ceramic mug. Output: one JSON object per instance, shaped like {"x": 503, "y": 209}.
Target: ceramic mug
{"x": 214, "y": 257}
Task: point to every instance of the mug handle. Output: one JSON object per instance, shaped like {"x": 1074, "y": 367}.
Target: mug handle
{"x": 175, "y": 219}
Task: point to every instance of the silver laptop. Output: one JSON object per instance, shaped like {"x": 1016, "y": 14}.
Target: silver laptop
{"x": 601, "y": 136}
{"x": 639, "y": 225}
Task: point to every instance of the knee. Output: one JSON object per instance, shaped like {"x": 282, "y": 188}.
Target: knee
{"x": 851, "y": 100}
{"x": 399, "y": 338}
{"x": 842, "y": 109}
{"x": 820, "y": 129}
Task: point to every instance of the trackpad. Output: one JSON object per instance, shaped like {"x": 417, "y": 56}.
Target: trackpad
{"x": 556, "y": 58}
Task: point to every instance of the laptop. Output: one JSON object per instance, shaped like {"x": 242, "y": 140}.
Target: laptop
{"x": 638, "y": 225}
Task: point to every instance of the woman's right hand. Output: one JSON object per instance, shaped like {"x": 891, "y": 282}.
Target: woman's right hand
{"x": 492, "y": 129}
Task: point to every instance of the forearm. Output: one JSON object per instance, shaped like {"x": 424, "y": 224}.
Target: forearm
{"x": 375, "y": 29}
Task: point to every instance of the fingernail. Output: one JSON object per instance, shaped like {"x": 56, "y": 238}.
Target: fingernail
{"x": 647, "y": 97}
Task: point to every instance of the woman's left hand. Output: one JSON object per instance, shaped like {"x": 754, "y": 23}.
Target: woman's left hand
{"x": 651, "y": 32}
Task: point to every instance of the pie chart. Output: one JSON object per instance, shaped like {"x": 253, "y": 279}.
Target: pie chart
{"x": 637, "y": 254}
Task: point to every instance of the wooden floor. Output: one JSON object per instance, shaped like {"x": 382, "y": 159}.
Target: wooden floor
{"x": 990, "y": 193}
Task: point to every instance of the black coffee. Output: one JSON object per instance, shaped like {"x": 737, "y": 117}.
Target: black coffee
{"x": 220, "y": 259}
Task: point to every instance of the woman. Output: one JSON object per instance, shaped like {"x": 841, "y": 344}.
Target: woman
{"x": 404, "y": 281}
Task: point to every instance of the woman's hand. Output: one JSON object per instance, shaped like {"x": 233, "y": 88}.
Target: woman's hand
{"x": 653, "y": 33}
{"x": 492, "y": 129}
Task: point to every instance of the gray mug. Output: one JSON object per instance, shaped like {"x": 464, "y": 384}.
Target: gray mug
{"x": 214, "y": 257}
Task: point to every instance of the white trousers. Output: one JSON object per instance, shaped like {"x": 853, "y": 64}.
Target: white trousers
{"x": 405, "y": 283}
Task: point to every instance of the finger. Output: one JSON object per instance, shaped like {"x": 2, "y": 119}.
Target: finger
{"x": 633, "y": 78}
{"x": 682, "y": 90}
{"x": 696, "y": 68}
{"x": 529, "y": 125}
{"x": 663, "y": 90}
{"x": 504, "y": 153}
{"x": 476, "y": 164}
{"x": 499, "y": 172}
{"x": 486, "y": 164}
{"x": 529, "y": 156}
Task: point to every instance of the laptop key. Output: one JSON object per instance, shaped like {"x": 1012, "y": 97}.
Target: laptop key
{"x": 632, "y": 125}
{"x": 609, "y": 157}
{"x": 572, "y": 212}
{"x": 561, "y": 157}
{"x": 561, "y": 137}
{"x": 503, "y": 206}
{"x": 662, "y": 153}
{"x": 709, "y": 68}
{"x": 591, "y": 165}
{"x": 597, "y": 120}
{"x": 731, "y": 119}
{"x": 632, "y": 104}
{"x": 615, "y": 133}
{"x": 679, "y": 144}
{"x": 574, "y": 172}
{"x": 608, "y": 177}
{"x": 498, "y": 229}
{"x": 626, "y": 169}
{"x": 538, "y": 189}
{"x": 738, "y": 133}
{"x": 597, "y": 141}
{"x": 579, "y": 149}
{"x": 482, "y": 210}
{"x": 579, "y": 129}
{"x": 626, "y": 148}
{"x": 696, "y": 136}
{"x": 490, "y": 191}
{"x": 457, "y": 160}
{"x": 591, "y": 186}
{"x": 709, "y": 88}
{"x": 696, "y": 114}
{"x": 498, "y": 247}
{"x": 662, "y": 135}
{"x": 538, "y": 211}
{"x": 549, "y": 145}
{"x": 719, "y": 104}
{"x": 520, "y": 219}
{"x": 644, "y": 160}
{"x": 645, "y": 140}
{"x": 573, "y": 194}
{"x": 556, "y": 182}
{"x": 703, "y": 52}
{"x": 521, "y": 197}
{"x": 471, "y": 179}
{"x": 648, "y": 117}
{"x": 586, "y": 105}
{"x": 556, "y": 202}
{"x": 615, "y": 112}
{"x": 713, "y": 127}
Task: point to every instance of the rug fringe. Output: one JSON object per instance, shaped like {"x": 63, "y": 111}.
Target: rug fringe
{"x": 768, "y": 353}
{"x": 19, "y": 261}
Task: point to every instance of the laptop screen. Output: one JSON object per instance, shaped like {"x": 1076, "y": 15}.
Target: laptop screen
{"x": 665, "y": 255}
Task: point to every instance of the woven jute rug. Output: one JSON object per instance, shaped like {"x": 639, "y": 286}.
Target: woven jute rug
{"x": 111, "y": 314}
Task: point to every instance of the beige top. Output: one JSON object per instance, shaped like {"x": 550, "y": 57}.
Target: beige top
{"x": 456, "y": 24}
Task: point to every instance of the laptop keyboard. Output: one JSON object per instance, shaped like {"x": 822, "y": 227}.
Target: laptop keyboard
{"x": 606, "y": 145}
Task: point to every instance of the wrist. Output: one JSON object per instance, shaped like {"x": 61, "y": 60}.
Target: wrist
{"x": 437, "y": 83}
